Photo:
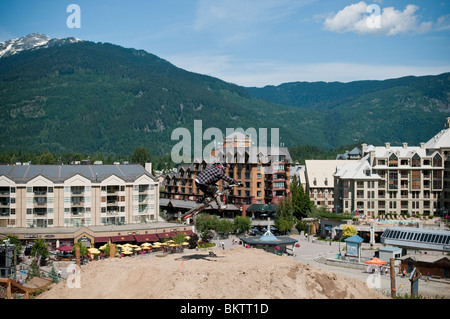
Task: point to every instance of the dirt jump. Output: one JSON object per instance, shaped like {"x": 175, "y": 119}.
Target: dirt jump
{"x": 237, "y": 273}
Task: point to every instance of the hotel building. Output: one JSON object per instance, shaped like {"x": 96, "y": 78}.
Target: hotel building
{"x": 265, "y": 178}
{"x": 56, "y": 201}
{"x": 397, "y": 179}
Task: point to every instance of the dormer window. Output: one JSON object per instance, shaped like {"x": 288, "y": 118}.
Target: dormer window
{"x": 437, "y": 161}
{"x": 393, "y": 161}
{"x": 415, "y": 162}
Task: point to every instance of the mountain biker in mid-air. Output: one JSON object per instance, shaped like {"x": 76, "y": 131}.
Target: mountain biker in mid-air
{"x": 207, "y": 179}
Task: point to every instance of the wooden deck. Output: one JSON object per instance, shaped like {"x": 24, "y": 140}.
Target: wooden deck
{"x": 30, "y": 287}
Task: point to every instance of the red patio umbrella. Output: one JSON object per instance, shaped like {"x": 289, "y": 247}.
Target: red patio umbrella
{"x": 65, "y": 248}
{"x": 376, "y": 261}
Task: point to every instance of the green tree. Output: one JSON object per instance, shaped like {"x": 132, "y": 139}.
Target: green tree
{"x": 204, "y": 223}
{"x": 225, "y": 226}
{"x": 179, "y": 238}
{"x": 47, "y": 159}
{"x": 140, "y": 155}
{"x": 40, "y": 248}
{"x": 83, "y": 249}
{"x": 349, "y": 231}
{"x": 301, "y": 203}
{"x": 242, "y": 224}
{"x": 285, "y": 215}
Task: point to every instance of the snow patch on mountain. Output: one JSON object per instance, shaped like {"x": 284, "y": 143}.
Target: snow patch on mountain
{"x": 30, "y": 42}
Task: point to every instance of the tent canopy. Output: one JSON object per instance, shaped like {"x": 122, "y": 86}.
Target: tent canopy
{"x": 375, "y": 261}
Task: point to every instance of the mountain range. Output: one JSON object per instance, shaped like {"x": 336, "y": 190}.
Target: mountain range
{"x": 68, "y": 95}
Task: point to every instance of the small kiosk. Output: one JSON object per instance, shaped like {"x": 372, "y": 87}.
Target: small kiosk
{"x": 353, "y": 248}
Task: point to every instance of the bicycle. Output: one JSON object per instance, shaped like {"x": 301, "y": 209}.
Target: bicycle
{"x": 208, "y": 201}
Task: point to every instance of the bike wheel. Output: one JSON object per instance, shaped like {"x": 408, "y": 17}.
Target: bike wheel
{"x": 195, "y": 210}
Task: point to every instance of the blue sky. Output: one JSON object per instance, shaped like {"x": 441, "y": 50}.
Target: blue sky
{"x": 258, "y": 42}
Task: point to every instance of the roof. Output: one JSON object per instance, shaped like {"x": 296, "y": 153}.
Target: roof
{"x": 354, "y": 153}
{"x": 188, "y": 204}
{"x": 261, "y": 240}
{"x": 60, "y": 173}
{"x": 391, "y": 249}
{"x": 426, "y": 258}
{"x": 354, "y": 239}
{"x": 360, "y": 169}
{"x": 262, "y": 208}
{"x": 441, "y": 139}
{"x": 321, "y": 171}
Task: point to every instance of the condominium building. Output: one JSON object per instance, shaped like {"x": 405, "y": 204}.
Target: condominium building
{"x": 397, "y": 179}
{"x": 320, "y": 182}
{"x": 41, "y": 196}
{"x": 265, "y": 177}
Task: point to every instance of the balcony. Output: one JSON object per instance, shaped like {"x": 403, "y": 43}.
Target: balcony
{"x": 4, "y": 202}
{"x": 4, "y": 212}
{"x": 112, "y": 189}
{"x": 40, "y": 202}
{"x": 77, "y": 190}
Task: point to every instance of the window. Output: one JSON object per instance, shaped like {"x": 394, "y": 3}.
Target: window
{"x": 393, "y": 180}
{"x": 415, "y": 179}
{"x": 437, "y": 161}
{"x": 437, "y": 179}
{"x": 393, "y": 161}
{"x": 415, "y": 162}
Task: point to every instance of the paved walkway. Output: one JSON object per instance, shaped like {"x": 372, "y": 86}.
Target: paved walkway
{"x": 311, "y": 253}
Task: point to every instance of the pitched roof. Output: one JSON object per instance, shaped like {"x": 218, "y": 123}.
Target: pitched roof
{"x": 321, "y": 171}
{"x": 441, "y": 139}
{"x": 60, "y": 173}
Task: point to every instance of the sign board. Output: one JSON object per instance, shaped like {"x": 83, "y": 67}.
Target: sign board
{"x": 352, "y": 249}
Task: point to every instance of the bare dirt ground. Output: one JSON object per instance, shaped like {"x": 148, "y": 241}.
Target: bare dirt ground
{"x": 236, "y": 273}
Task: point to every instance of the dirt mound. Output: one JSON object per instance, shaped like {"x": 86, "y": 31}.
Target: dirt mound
{"x": 237, "y": 273}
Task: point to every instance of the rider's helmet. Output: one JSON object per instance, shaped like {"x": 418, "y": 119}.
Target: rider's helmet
{"x": 222, "y": 165}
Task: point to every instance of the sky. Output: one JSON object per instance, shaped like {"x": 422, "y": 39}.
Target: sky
{"x": 256, "y": 42}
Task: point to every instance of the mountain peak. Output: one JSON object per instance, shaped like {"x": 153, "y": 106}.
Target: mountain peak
{"x": 30, "y": 42}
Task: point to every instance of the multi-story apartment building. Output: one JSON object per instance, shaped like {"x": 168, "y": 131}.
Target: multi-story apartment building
{"x": 397, "y": 179}
{"x": 44, "y": 196}
{"x": 320, "y": 182}
{"x": 265, "y": 180}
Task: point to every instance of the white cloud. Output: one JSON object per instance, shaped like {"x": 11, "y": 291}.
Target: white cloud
{"x": 359, "y": 18}
{"x": 261, "y": 73}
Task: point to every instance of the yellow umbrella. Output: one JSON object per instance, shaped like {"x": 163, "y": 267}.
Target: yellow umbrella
{"x": 184, "y": 243}
{"x": 137, "y": 249}
{"x": 127, "y": 252}
{"x": 170, "y": 241}
{"x": 146, "y": 244}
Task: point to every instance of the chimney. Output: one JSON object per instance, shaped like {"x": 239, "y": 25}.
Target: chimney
{"x": 422, "y": 145}
{"x": 447, "y": 123}
{"x": 364, "y": 148}
{"x": 148, "y": 167}
{"x": 388, "y": 145}
{"x": 405, "y": 145}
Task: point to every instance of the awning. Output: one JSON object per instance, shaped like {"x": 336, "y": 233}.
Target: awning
{"x": 101, "y": 239}
{"x": 145, "y": 238}
{"x": 262, "y": 208}
{"x": 116, "y": 239}
{"x": 166, "y": 235}
{"x": 375, "y": 261}
{"x": 64, "y": 248}
{"x": 186, "y": 232}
